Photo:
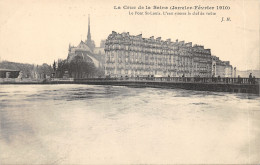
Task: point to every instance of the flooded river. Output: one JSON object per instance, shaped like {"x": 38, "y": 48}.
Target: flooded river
{"x": 87, "y": 124}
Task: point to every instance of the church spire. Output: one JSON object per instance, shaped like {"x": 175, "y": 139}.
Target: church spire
{"x": 89, "y": 42}
{"x": 89, "y": 35}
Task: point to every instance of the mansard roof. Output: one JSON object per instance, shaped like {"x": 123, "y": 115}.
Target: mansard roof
{"x": 158, "y": 40}
{"x": 189, "y": 44}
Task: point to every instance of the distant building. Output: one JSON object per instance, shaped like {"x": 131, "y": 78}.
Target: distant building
{"x": 8, "y": 73}
{"x": 221, "y": 68}
{"x": 87, "y": 50}
{"x": 81, "y": 50}
{"x": 129, "y": 55}
{"x": 102, "y": 43}
{"x": 228, "y": 69}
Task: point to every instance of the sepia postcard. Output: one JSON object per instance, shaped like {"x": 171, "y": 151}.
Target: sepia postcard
{"x": 129, "y": 82}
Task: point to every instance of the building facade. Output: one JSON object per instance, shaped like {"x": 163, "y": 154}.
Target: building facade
{"x": 221, "y": 68}
{"x": 129, "y": 55}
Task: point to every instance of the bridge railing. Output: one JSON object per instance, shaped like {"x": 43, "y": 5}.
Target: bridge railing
{"x": 216, "y": 80}
{"x": 224, "y": 80}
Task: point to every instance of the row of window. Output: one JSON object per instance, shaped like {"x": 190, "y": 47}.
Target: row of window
{"x": 157, "y": 47}
{"x": 146, "y": 57}
{"x": 138, "y": 43}
{"x": 153, "y": 44}
{"x": 173, "y": 55}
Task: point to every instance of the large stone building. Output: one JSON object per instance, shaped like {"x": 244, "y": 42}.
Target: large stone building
{"x": 129, "y": 55}
{"x": 88, "y": 51}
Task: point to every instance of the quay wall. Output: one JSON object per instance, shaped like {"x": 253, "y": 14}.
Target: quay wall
{"x": 236, "y": 85}
{"x": 217, "y": 87}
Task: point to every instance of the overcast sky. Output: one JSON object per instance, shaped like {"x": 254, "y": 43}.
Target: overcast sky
{"x": 40, "y": 31}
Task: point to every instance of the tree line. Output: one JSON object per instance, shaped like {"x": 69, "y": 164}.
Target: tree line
{"x": 28, "y": 70}
{"x": 76, "y": 68}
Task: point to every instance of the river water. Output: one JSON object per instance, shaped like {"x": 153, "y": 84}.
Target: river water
{"x": 87, "y": 124}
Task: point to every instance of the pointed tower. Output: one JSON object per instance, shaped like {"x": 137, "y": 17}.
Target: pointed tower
{"x": 89, "y": 35}
{"x": 69, "y": 47}
{"x": 89, "y": 42}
